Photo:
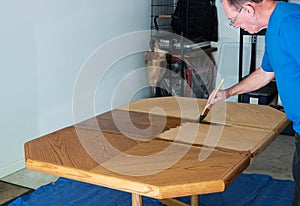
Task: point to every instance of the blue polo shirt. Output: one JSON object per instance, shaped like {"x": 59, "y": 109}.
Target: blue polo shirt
{"x": 282, "y": 56}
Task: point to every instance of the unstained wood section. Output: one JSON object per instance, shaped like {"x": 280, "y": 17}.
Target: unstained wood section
{"x": 240, "y": 114}
{"x": 226, "y": 137}
{"x": 179, "y": 107}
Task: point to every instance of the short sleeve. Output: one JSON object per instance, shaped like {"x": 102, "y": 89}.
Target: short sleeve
{"x": 266, "y": 65}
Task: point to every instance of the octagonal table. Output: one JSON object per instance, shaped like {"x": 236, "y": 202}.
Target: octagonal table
{"x": 153, "y": 147}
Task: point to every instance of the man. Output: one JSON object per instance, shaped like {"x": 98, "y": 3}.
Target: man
{"x": 281, "y": 59}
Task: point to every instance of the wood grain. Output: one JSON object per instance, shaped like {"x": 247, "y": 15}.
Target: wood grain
{"x": 136, "y": 200}
{"x": 131, "y": 123}
{"x": 63, "y": 147}
{"x": 58, "y": 148}
{"x": 224, "y": 137}
{"x": 156, "y": 149}
{"x": 173, "y": 202}
{"x": 248, "y": 115}
{"x": 145, "y": 168}
{"x": 178, "y": 107}
{"x": 230, "y": 113}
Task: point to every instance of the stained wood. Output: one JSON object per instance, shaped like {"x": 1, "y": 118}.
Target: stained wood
{"x": 141, "y": 125}
{"x": 156, "y": 150}
{"x": 58, "y": 148}
{"x": 145, "y": 168}
{"x": 226, "y": 137}
{"x": 78, "y": 148}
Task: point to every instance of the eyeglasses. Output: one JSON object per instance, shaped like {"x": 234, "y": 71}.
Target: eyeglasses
{"x": 233, "y": 19}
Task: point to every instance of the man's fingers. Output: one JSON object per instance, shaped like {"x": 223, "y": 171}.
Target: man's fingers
{"x": 219, "y": 97}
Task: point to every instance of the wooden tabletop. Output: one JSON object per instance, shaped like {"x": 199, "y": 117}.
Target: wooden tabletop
{"x": 230, "y": 113}
{"x": 153, "y": 147}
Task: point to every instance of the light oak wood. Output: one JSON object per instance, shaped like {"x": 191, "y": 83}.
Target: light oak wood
{"x": 152, "y": 147}
{"x": 178, "y": 107}
{"x": 137, "y": 200}
{"x": 194, "y": 200}
{"x": 158, "y": 175}
{"x": 173, "y": 202}
{"x": 248, "y": 115}
{"x": 222, "y": 137}
{"x": 240, "y": 114}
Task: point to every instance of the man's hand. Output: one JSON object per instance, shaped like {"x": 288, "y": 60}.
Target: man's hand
{"x": 221, "y": 95}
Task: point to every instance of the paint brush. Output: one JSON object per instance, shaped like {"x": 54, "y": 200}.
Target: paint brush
{"x": 208, "y": 106}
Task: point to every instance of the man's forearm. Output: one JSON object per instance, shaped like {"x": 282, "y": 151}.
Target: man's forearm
{"x": 254, "y": 81}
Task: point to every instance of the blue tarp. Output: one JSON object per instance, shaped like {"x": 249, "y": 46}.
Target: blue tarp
{"x": 246, "y": 190}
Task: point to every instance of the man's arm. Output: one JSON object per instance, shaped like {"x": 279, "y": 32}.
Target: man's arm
{"x": 254, "y": 81}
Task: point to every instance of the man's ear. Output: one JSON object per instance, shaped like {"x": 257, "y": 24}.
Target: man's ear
{"x": 249, "y": 9}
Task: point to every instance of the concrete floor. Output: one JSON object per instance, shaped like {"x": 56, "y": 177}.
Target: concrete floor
{"x": 29, "y": 178}
{"x": 276, "y": 161}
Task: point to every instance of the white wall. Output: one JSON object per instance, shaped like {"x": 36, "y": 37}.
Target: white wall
{"x": 19, "y": 112}
{"x": 44, "y": 44}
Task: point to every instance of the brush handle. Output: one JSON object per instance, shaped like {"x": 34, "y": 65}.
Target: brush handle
{"x": 215, "y": 93}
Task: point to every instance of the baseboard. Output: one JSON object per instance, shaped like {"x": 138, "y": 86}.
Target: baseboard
{"x": 11, "y": 168}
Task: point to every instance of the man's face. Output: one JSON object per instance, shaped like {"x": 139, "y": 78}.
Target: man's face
{"x": 243, "y": 17}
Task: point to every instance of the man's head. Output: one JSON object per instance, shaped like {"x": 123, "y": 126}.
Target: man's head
{"x": 250, "y": 15}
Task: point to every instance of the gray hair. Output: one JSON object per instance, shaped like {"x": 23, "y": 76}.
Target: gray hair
{"x": 237, "y": 4}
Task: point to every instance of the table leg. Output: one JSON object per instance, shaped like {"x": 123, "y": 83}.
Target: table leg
{"x": 195, "y": 200}
{"x": 136, "y": 200}
{"x": 174, "y": 202}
